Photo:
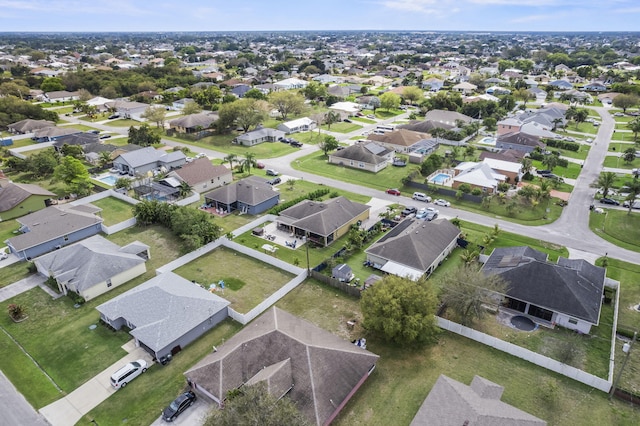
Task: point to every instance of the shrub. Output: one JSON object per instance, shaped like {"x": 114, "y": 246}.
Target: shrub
{"x": 476, "y": 191}
{"x": 16, "y": 312}
{"x": 31, "y": 267}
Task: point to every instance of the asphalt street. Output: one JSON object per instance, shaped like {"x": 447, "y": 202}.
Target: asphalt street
{"x": 14, "y": 408}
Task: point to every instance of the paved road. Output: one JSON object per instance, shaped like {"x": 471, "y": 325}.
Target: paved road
{"x": 14, "y": 409}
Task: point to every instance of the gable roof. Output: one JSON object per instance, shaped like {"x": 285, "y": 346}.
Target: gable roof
{"x": 481, "y": 174}
{"x": 370, "y": 153}
{"x": 519, "y": 138}
{"x": 203, "y": 119}
{"x": 324, "y": 368}
{"x": 53, "y": 222}
{"x": 572, "y": 287}
{"x": 448, "y": 117}
{"x": 260, "y": 134}
{"x": 400, "y": 137}
{"x": 199, "y": 171}
{"x": 415, "y": 243}
{"x": 163, "y": 309}
{"x": 29, "y": 125}
{"x": 322, "y": 217}
{"x": 148, "y": 155}
{"x": 55, "y": 132}
{"x": 251, "y": 191}
{"x": 77, "y": 139}
{"x": 451, "y": 403}
{"x": 89, "y": 262}
{"x": 12, "y": 194}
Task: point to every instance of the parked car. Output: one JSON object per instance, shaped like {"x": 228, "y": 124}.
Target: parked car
{"x": 201, "y": 155}
{"x": 635, "y": 204}
{"x": 105, "y": 136}
{"x": 95, "y": 132}
{"x": 274, "y": 181}
{"x": 609, "y": 201}
{"x": 371, "y": 116}
{"x": 296, "y": 144}
{"x": 178, "y": 405}
{"x": 271, "y": 172}
{"x": 346, "y": 120}
{"x": 259, "y": 165}
{"x": 419, "y": 196}
{"x": 543, "y": 172}
{"x": 393, "y": 191}
{"x": 114, "y": 116}
{"x": 130, "y": 371}
{"x": 441, "y": 202}
{"x": 408, "y": 210}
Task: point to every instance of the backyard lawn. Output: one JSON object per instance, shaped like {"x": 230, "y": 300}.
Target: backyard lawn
{"x": 404, "y": 376}
{"x": 617, "y": 227}
{"x": 222, "y": 143}
{"x": 114, "y": 210}
{"x": 247, "y": 281}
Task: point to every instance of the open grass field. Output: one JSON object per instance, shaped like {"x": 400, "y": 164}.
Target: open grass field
{"x": 114, "y": 210}
{"x": 581, "y": 154}
{"x": 122, "y": 122}
{"x": 250, "y": 281}
{"x": 625, "y": 136}
{"x": 571, "y": 171}
{"x": 618, "y": 227}
{"x": 342, "y": 127}
{"x": 619, "y": 163}
{"x": 222, "y": 143}
{"x": 620, "y": 146}
{"x": 404, "y": 376}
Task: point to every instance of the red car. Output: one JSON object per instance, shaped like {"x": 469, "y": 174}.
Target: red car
{"x": 393, "y": 191}
{"x": 260, "y": 165}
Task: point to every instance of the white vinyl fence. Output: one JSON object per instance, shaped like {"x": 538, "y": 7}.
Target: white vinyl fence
{"x": 526, "y": 354}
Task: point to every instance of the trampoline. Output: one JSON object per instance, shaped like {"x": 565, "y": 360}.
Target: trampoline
{"x": 523, "y": 323}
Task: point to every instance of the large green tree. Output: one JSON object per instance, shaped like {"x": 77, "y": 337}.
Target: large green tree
{"x": 287, "y": 103}
{"x": 143, "y": 136}
{"x": 634, "y": 126}
{"x": 328, "y": 143}
{"x": 400, "y": 310}
{"x": 389, "y": 101}
{"x": 155, "y": 114}
{"x": 74, "y": 174}
{"x": 625, "y": 101}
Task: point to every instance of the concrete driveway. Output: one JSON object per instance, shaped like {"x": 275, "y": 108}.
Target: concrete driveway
{"x": 68, "y": 410}
{"x": 193, "y": 416}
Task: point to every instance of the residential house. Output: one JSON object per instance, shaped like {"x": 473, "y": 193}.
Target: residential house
{"x": 127, "y": 109}
{"x": 568, "y": 293}
{"x": 49, "y": 134}
{"x": 401, "y": 140}
{"x": 148, "y": 159}
{"x": 322, "y": 221}
{"x": 29, "y": 126}
{"x": 61, "y": 96}
{"x": 364, "y": 156}
{"x": 93, "y": 266}
{"x": 304, "y": 124}
{"x": 561, "y": 84}
{"x": 257, "y": 136}
{"x": 346, "y": 109}
{"x": 432, "y": 84}
{"x": 477, "y": 175}
{"x": 518, "y": 141}
{"x": 165, "y": 314}
{"x": 450, "y": 118}
{"x": 252, "y": 195}
{"x": 290, "y": 83}
{"x": 318, "y": 371}
{"x": 414, "y": 247}
{"x": 181, "y": 103}
{"x": 595, "y": 87}
{"x": 451, "y": 403}
{"x": 19, "y": 199}
{"x": 81, "y": 139}
{"x": 465, "y": 88}
{"x": 239, "y": 90}
{"x": 194, "y": 123}
{"x": 202, "y": 176}
{"x": 509, "y": 125}
{"x": 54, "y": 227}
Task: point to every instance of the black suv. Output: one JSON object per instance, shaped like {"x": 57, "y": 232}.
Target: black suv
{"x": 178, "y": 405}
{"x": 609, "y": 201}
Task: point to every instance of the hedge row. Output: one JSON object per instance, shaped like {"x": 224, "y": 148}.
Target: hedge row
{"x": 569, "y": 146}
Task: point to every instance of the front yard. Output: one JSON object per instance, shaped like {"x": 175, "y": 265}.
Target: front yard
{"x": 617, "y": 227}
{"x": 222, "y": 143}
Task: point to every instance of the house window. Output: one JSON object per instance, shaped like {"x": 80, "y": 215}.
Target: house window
{"x": 66, "y": 238}
{"x": 573, "y": 321}
{"x": 109, "y": 282}
{"x": 361, "y": 165}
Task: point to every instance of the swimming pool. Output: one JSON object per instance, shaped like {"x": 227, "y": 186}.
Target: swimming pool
{"x": 488, "y": 141}
{"x": 439, "y": 178}
{"x": 109, "y": 180}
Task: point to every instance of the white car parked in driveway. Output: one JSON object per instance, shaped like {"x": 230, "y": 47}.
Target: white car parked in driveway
{"x": 441, "y": 202}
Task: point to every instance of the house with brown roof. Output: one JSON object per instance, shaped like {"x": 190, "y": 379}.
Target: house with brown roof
{"x": 29, "y": 126}
{"x": 203, "y": 176}
{"x": 193, "y": 123}
{"x": 252, "y": 195}
{"x": 19, "y": 199}
{"x": 400, "y": 140}
{"x": 414, "y": 247}
{"x": 323, "y": 221}
{"x": 451, "y": 403}
{"x": 318, "y": 371}
{"x": 363, "y": 156}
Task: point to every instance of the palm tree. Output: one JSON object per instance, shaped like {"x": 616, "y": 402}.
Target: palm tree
{"x": 634, "y": 191}
{"x": 580, "y": 116}
{"x": 527, "y": 164}
{"x": 555, "y": 123}
{"x": 330, "y": 118}
{"x": 634, "y": 126}
{"x": 605, "y": 181}
{"x": 230, "y": 159}
{"x": 104, "y": 158}
{"x": 249, "y": 160}
{"x": 185, "y": 188}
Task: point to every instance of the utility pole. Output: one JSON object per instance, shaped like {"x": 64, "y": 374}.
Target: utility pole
{"x": 626, "y": 348}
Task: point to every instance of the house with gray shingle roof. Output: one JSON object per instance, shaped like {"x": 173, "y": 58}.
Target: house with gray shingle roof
{"x": 141, "y": 161}
{"x": 203, "y": 176}
{"x": 451, "y": 403}
{"x": 414, "y": 247}
{"x": 165, "y": 313}
{"x": 568, "y": 293}
{"x": 252, "y": 195}
{"x": 323, "y": 221}
{"x": 318, "y": 371}
{"x": 19, "y": 199}
{"x": 400, "y": 140}
{"x": 93, "y": 266}
{"x": 48, "y": 134}
{"x": 54, "y": 227}
{"x": 194, "y": 123}
{"x": 263, "y": 134}
{"x": 363, "y": 156}
{"x": 29, "y": 125}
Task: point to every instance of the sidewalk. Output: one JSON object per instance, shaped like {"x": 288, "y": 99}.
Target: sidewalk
{"x": 68, "y": 410}
{"x": 21, "y": 286}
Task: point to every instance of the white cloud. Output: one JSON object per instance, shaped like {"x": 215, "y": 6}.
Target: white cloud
{"x": 423, "y": 6}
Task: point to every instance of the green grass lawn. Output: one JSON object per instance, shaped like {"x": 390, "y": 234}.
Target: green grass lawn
{"x": 141, "y": 402}
{"x": 18, "y": 143}
{"x": 311, "y": 138}
{"x": 619, "y": 163}
{"x": 254, "y": 280}
{"x": 342, "y": 127}
{"x": 363, "y": 120}
{"x": 581, "y": 154}
{"x": 232, "y": 221}
{"x": 617, "y": 227}
{"x": 122, "y": 122}
{"x": 82, "y": 127}
{"x": 582, "y": 128}
{"x": 620, "y": 146}
{"x": 57, "y": 188}
{"x": 404, "y": 376}
{"x": 389, "y": 177}
{"x": 571, "y": 171}
{"x": 35, "y": 151}
{"x": 114, "y": 210}
{"x": 222, "y": 143}
{"x": 622, "y": 136}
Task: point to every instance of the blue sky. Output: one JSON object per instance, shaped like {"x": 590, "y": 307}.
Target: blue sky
{"x": 242, "y": 15}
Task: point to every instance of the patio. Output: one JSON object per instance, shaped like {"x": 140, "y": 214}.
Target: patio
{"x": 282, "y": 238}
